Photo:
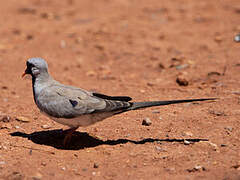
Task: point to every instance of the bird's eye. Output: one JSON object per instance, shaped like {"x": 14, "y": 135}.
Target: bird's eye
{"x": 34, "y": 68}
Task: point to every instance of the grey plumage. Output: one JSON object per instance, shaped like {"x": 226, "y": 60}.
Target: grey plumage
{"x": 76, "y": 107}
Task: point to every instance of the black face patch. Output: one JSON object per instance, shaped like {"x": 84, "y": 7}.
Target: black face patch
{"x": 74, "y": 103}
{"x": 29, "y": 68}
{"x": 29, "y": 65}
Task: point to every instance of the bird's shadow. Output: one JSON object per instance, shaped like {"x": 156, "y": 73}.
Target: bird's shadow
{"x": 81, "y": 140}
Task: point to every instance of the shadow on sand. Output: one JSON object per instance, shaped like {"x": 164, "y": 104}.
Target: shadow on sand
{"x": 81, "y": 140}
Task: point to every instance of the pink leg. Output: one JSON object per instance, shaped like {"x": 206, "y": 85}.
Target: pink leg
{"x": 68, "y": 136}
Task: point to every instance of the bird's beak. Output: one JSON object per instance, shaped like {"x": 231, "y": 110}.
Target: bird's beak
{"x": 23, "y": 74}
{"x": 27, "y": 71}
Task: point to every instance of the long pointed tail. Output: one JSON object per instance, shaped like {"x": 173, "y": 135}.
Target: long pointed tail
{"x": 139, "y": 105}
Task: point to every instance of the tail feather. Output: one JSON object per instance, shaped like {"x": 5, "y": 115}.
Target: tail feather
{"x": 139, "y": 105}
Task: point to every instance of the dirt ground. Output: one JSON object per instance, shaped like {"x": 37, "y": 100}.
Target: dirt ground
{"x": 137, "y": 48}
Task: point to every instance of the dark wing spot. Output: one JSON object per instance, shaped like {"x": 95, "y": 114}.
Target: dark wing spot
{"x": 74, "y": 103}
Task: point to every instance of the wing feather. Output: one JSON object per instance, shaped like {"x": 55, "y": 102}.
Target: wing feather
{"x": 68, "y": 102}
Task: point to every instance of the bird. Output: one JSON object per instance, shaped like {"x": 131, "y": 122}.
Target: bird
{"x": 76, "y": 107}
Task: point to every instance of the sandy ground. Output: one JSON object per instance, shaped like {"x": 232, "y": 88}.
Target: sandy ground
{"x": 124, "y": 47}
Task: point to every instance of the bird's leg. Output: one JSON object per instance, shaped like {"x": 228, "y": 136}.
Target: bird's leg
{"x": 68, "y": 135}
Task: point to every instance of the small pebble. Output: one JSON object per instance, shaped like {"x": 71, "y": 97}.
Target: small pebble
{"x": 22, "y": 119}
{"x": 156, "y": 111}
{"x": 91, "y": 73}
{"x": 45, "y": 126}
{"x": 218, "y": 39}
{"x": 43, "y": 163}
{"x": 5, "y": 119}
{"x": 146, "y": 122}
{"x": 229, "y": 128}
{"x": 95, "y": 165}
{"x": 215, "y": 147}
{"x": 217, "y": 113}
{"x": 186, "y": 142}
{"x": 182, "y": 80}
{"x": 197, "y": 167}
{"x": 63, "y": 168}
{"x": 158, "y": 148}
{"x": 237, "y": 38}
{"x": 170, "y": 169}
{"x": 182, "y": 66}
{"x": 37, "y": 176}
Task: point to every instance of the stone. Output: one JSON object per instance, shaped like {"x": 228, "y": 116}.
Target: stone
{"x": 95, "y": 165}
{"x": 22, "y": 119}
{"x": 45, "y": 126}
{"x": 146, "y": 122}
{"x": 5, "y": 119}
{"x": 37, "y": 176}
{"x": 186, "y": 142}
{"x": 237, "y": 38}
{"x": 182, "y": 80}
{"x": 156, "y": 111}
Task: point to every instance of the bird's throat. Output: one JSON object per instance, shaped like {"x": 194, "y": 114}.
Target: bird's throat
{"x": 39, "y": 83}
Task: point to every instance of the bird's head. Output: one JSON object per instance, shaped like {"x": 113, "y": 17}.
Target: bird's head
{"x": 35, "y": 67}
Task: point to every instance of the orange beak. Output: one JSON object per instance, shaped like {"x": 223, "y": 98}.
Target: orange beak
{"x": 23, "y": 74}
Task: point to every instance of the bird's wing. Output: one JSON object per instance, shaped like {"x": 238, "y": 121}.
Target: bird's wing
{"x": 115, "y": 98}
{"x": 67, "y": 101}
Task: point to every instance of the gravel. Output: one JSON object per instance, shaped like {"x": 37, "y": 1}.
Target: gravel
{"x": 146, "y": 122}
